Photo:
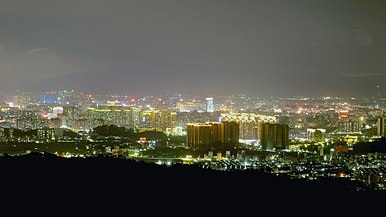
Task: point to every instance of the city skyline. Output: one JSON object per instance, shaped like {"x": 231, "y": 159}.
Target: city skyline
{"x": 201, "y": 97}
{"x": 257, "y": 48}
{"x": 328, "y": 140}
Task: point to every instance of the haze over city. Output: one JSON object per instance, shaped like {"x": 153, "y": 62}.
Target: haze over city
{"x": 220, "y": 99}
{"x": 211, "y": 47}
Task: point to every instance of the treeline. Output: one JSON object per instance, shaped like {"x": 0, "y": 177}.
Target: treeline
{"x": 18, "y": 133}
{"x": 100, "y": 132}
{"x": 123, "y": 132}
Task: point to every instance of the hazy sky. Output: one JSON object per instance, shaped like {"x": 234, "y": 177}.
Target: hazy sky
{"x": 204, "y": 47}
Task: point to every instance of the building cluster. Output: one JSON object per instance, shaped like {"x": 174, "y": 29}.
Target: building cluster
{"x": 126, "y": 116}
{"x": 201, "y": 135}
{"x": 269, "y": 123}
{"x": 41, "y": 135}
{"x": 275, "y": 127}
{"x": 251, "y": 124}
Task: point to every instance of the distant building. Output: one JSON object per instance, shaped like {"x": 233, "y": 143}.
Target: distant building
{"x": 48, "y": 98}
{"x": 209, "y": 104}
{"x": 189, "y": 106}
{"x": 122, "y": 116}
{"x": 46, "y": 135}
{"x": 159, "y": 120}
{"x": 275, "y": 136}
{"x": 381, "y": 125}
{"x": 349, "y": 125}
{"x": 249, "y": 123}
{"x": 7, "y": 134}
{"x": 216, "y": 133}
{"x": 200, "y": 135}
{"x": 231, "y": 132}
{"x": 55, "y": 122}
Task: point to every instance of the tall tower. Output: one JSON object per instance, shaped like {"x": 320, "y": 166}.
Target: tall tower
{"x": 209, "y": 104}
{"x": 168, "y": 120}
{"x": 231, "y": 132}
{"x": 198, "y": 135}
{"x": 381, "y": 125}
{"x": 275, "y": 136}
{"x": 217, "y": 132}
{"x": 213, "y": 134}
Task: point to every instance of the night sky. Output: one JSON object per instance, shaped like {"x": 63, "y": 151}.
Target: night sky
{"x": 203, "y": 47}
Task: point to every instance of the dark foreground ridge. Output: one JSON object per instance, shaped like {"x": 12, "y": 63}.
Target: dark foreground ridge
{"x": 47, "y": 171}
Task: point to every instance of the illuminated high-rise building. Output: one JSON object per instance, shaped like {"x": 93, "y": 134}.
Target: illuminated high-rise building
{"x": 249, "y": 123}
{"x": 21, "y": 100}
{"x": 275, "y": 136}
{"x": 46, "y": 135}
{"x": 381, "y": 125}
{"x": 231, "y": 132}
{"x": 200, "y": 135}
{"x": 349, "y": 125}
{"x": 157, "y": 120}
{"x": 188, "y": 106}
{"x": 126, "y": 116}
{"x": 150, "y": 119}
{"x": 216, "y": 132}
{"x": 168, "y": 120}
{"x": 209, "y": 104}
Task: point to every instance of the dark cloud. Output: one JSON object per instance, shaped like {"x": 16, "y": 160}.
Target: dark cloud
{"x": 255, "y": 47}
